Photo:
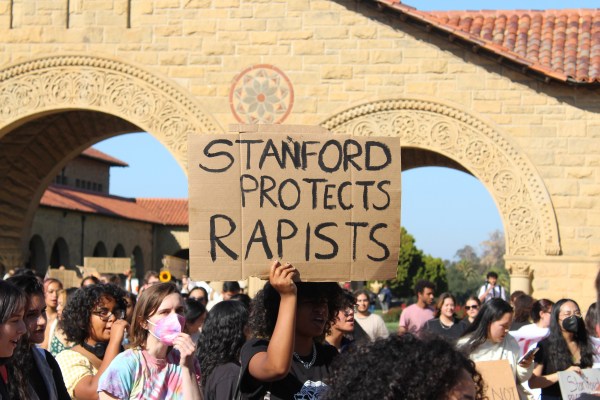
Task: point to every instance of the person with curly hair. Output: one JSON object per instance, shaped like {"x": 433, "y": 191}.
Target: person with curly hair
{"x": 33, "y": 373}
{"x": 567, "y": 348}
{"x": 219, "y": 347}
{"x": 289, "y": 319}
{"x": 431, "y": 368}
{"x": 487, "y": 339}
{"x": 93, "y": 321}
{"x": 12, "y": 328}
{"x": 160, "y": 363}
{"x": 345, "y": 333}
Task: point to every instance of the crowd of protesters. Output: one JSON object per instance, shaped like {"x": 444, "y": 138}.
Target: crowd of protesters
{"x": 294, "y": 340}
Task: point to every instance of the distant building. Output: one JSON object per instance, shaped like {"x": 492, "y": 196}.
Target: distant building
{"x": 78, "y": 217}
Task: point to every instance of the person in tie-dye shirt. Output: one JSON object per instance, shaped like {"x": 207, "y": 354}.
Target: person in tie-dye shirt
{"x": 161, "y": 362}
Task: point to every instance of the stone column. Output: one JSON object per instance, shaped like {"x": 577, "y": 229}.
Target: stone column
{"x": 520, "y": 276}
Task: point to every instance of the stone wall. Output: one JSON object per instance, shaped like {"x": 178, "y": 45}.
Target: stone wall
{"x": 50, "y": 224}
{"x": 337, "y": 55}
{"x": 89, "y": 173}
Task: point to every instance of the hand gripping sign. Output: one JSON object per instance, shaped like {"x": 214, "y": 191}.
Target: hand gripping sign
{"x": 329, "y": 204}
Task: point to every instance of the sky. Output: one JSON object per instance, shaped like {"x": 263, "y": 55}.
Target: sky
{"x": 442, "y": 208}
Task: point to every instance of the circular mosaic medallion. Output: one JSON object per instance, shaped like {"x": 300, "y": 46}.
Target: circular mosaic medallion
{"x": 261, "y": 94}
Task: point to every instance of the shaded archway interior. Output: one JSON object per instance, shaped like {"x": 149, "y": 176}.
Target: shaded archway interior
{"x": 413, "y": 157}
{"x": 33, "y": 153}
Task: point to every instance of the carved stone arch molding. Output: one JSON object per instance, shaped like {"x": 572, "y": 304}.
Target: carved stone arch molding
{"x": 102, "y": 84}
{"x": 89, "y": 96}
{"x": 512, "y": 180}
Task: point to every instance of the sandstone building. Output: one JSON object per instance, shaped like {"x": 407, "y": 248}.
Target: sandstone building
{"x": 78, "y": 218}
{"x": 510, "y": 97}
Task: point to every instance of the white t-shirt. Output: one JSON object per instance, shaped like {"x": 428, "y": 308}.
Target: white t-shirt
{"x": 373, "y": 325}
{"x": 497, "y": 291}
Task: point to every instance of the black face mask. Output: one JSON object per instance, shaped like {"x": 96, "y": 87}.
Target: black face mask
{"x": 573, "y": 324}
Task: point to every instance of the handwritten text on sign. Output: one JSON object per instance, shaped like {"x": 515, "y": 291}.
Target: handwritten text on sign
{"x": 574, "y": 386}
{"x": 328, "y": 204}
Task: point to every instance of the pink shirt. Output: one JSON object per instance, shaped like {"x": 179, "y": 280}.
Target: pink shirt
{"x": 413, "y": 318}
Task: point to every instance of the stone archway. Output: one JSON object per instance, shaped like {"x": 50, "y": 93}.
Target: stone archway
{"x": 45, "y": 110}
{"x": 523, "y": 202}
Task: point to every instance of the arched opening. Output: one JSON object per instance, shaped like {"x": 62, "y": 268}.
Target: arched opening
{"x": 119, "y": 251}
{"x": 84, "y": 99}
{"x": 37, "y": 254}
{"x": 60, "y": 254}
{"x": 138, "y": 260}
{"x": 100, "y": 250}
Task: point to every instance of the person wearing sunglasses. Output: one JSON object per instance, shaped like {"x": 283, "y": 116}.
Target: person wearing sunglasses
{"x": 472, "y": 306}
{"x": 93, "y": 321}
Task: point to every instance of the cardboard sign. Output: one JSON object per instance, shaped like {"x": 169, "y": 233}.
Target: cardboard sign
{"x": 328, "y": 204}
{"x": 176, "y": 266}
{"x": 574, "y": 386}
{"x": 499, "y": 380}
{"x": 88, "y": 271}
{"x": 69, "y": 278}
{"x": 108, "y": 265}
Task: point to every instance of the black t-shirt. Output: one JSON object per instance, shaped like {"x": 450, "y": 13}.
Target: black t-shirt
{"x": 299, "y": 383}
{"x": 542, "y": 357}
{"x": 452, "y": 334}
{"x": 221, "y": 382}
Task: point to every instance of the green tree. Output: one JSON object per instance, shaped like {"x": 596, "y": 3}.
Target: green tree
{"x": 414, "y": 265}
{"x": 434, "y": 271}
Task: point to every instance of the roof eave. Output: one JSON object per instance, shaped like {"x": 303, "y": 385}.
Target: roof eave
{"x": 430, "y": 24}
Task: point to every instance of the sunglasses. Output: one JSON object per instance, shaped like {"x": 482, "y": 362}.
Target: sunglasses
{"x": 473, "y": 307}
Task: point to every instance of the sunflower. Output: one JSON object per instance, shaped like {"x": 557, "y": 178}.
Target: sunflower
{"x": 165, "y": 276}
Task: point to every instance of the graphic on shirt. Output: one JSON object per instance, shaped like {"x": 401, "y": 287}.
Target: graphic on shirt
{"x": 311, "y": 391}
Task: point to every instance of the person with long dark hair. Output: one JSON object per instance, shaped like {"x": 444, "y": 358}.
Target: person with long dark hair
{"x": 195, "y": 315}
{"x": 219, "y": 347}
{"x": 93, "y": 321}
{"x": 288, "y": 319}
{"x": 12, "y": 328}
{"x": 445, "y": 323}
{"x": 33, "y": 372}
{"x": 567, "y": 348}
{"x": 522, "y": 306}
{"x": 487, "y": 339}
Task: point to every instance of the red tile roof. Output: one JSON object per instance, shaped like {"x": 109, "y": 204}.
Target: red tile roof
{"x": 555, "y": 44}
{"x": 169, "y": 211}
{"x": 98, "y": 155}
{"x": 156, "y": 211}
